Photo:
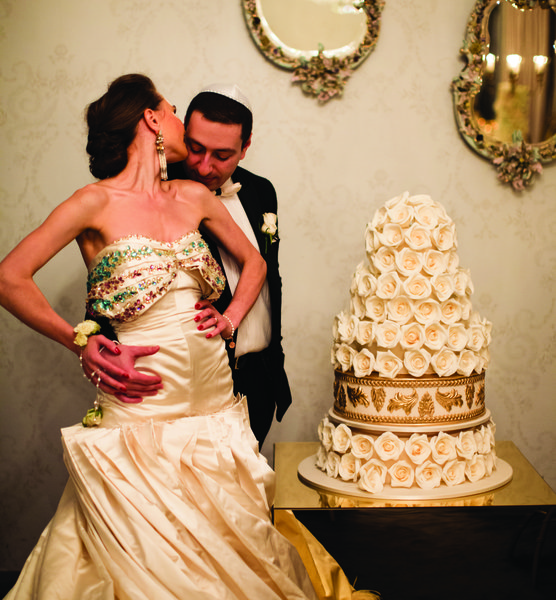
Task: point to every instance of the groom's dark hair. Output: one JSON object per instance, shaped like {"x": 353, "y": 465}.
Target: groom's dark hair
{"x": 221, "y": 109}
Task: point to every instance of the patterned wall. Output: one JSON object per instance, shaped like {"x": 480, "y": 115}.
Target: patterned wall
{"x": 332, "y": 165}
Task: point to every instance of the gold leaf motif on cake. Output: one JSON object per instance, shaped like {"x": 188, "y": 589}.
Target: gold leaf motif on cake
{"x": 378, "y": 396}
{"x": 426, "y": 406}
{"x": 481, "y": 396}
{"x": 340, "y": 395}
{"x": 469, "y": 394}
{"x": 449, "y": 399}
{"x": 405, "y": 403}
{"x": 357, "y": 396}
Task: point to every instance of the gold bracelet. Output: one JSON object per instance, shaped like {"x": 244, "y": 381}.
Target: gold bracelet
{"x": 232, "y": 343}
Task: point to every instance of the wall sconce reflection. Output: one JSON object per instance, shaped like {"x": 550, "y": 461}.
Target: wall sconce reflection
{"x": 540, "y": 62}
{"x": 514, "y": 64}
{"x": 490, "y": 60}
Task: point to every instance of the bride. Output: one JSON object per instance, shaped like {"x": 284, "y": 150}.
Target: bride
{"x": 167, "y": 498}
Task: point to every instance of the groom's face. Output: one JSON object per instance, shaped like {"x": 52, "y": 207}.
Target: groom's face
{"x": 214, "y": 150}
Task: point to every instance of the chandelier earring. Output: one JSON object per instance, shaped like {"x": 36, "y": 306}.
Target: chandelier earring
{"x": 161, "y": 156}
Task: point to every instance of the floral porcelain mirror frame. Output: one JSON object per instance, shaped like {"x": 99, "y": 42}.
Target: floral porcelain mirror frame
{"x": 321, "y": 72}
{"x": 504, "y": 100}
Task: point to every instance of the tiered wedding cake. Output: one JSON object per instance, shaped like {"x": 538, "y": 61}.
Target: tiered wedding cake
{"x": 410, "y": 358}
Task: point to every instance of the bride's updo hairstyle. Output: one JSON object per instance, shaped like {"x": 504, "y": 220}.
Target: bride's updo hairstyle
{"x": 112, "y": 122}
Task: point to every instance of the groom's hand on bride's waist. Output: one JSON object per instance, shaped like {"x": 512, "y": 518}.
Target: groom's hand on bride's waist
{"x": 115, "y": 364}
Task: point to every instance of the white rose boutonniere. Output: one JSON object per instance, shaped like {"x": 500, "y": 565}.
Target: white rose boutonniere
{"x": 270, "y": 229}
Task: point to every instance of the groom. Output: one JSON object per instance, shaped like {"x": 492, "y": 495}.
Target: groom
{"x": 218, "y": 126}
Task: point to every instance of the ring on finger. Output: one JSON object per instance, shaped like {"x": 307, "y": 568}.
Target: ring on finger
{"x": 98, "y": 380}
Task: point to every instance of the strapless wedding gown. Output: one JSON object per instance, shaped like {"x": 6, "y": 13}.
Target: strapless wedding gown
{"x": 168, "y": 498}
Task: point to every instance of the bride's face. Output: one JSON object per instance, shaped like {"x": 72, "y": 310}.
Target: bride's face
{"x": 173, "y": 131}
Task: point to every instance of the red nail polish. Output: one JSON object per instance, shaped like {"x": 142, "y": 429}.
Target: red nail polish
{"x": 117, "y": 351}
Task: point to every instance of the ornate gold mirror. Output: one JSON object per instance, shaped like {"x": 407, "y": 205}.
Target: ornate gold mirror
{"x": 321, "y": 41}
{"x": 504, "y": 98}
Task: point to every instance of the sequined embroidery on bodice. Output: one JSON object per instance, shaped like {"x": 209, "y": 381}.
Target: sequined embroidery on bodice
{"x": 132, "y": 273}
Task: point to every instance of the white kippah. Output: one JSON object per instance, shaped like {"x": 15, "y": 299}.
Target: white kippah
{"x": 230, "y": 90}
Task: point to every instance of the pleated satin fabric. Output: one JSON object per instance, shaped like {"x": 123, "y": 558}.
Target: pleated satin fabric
{"x": 168, "y": 498}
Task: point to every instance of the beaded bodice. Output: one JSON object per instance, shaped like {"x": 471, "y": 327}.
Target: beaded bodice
{"x": 132, "y": 273}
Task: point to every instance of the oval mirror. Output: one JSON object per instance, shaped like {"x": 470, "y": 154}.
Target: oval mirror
{"x": 504, "y": 98}
{"x": 321, "y": 41}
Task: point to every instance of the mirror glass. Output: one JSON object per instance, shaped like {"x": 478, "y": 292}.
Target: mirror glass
{"x": 299, "y": 27}
{"x": 322, "y": 41}
{"x": 505, "y": 96}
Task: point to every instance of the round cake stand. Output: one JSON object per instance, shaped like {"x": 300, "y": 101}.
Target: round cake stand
{"x": 313, "y": 477}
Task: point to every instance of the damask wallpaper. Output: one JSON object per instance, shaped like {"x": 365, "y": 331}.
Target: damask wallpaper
{"x": 333, "y": 165}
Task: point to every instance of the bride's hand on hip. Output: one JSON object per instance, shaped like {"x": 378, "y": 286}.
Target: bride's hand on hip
{"x": 111, "y": 367}
{"x": 209, "y": 318}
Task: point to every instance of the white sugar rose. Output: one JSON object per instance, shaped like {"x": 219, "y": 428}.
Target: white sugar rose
{"x": 467, "y": 362}
{"x": 457, "y": 337}
{"x": 363, "y": 363}
{"x": 444, "y": 363}
{"x": 399, "y": 309}
{"x": 417, "y": 362}
{"x": 341, "y": 439}
{"x": 466, "y": 446}
{"x": 326, "y": 431}
{"x": 375, "y": 309}
{"x": 365, "y": 282}
{"x": 372, "y": 476}
{"x": 349, "y": 467}
{"x": 490, "y": 462}
{"x": 443, "y": 286}
{"x": 400, "y": 213}
{"x": 465, "y": 307}
{"x": 483, "y": 360}
{"x": 408, "y": 261}
{"x": 453, "y": 472}
{"x": 391, "y": 235}
{"x": 379, "y": 218}
{"x": 427, "y": 215}
{"x": 356, "y": 306}
{"x": 344, "y": 355}
{"x": 443, "y": 448}
{"x": 475, "y": 468}
{"x": 333, "y": 357}
{"x": 435, "y": 336}
{"x": 403, "y": 198}
{"x": 417, "y": 287}
{"x": 388, "y": 334}
{"x": 453, "y": 261}
{"x": 384, "y": 259}
{"x": 387, "y": 364}
{"x": 401, "y": 474}
{"x": 444, "y": 237}
{"x": 321, "y": 458}
{"x": 332, "y": 464}
{"x": 418, "y": 237}
{"x": 413, "y": 336}
{"x": 421, "y": 200}
{"x": 365, "y": 332}
{"x": 428, "y": 475}
{"x": 362, "y": 446}
{"x": 462, "y": 282}
{"x": 346, "y": 326}
{"x": 418, "y": 448}
{"x": 450, "y": 311}
{"x": 388, "y": 446}
{"x": 488, "y": 436}
{"x": 434, "y": 262}
{"x": 475, "y": 338}
{"x": 388, "y": 285}
{"x": 371, "y": 240}
{"x": 426, "y": 311}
